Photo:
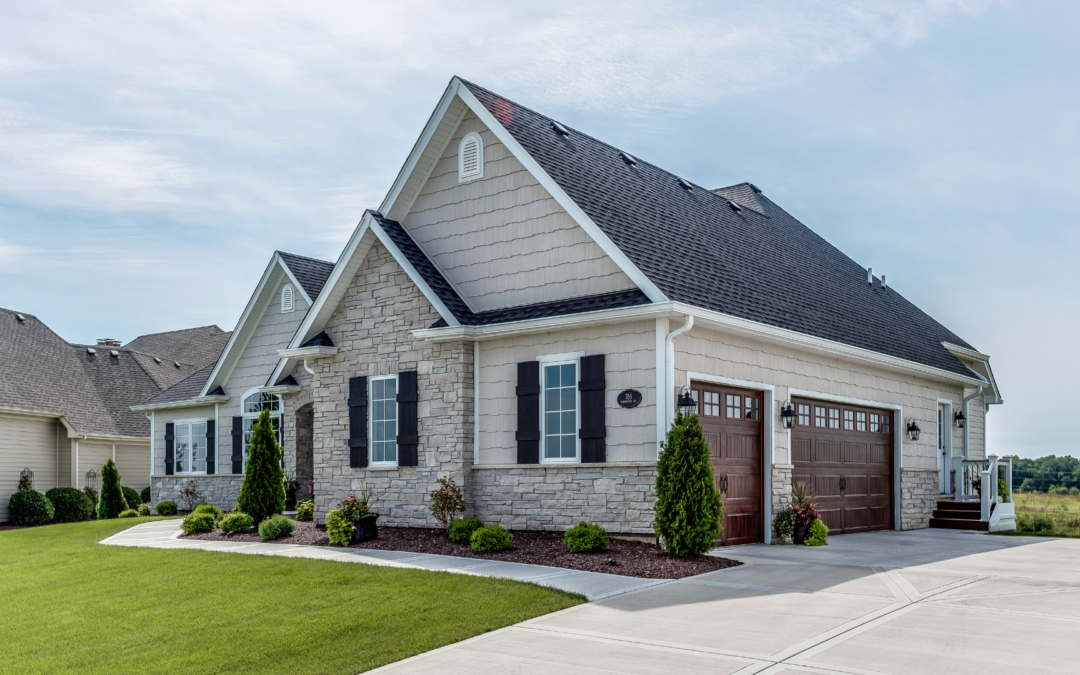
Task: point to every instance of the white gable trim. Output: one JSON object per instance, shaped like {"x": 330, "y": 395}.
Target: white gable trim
{"x": 344, "y": 271}
{"x": 458, "y": 88}
{"x": 297, "y": 286}
{"x": 245, "y": 327}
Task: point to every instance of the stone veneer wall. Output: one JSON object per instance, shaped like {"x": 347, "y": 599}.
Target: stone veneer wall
{"x": 221, "y": 491}
{"x": 619, "y": 496}
{"x": 919, "y": 492}
{"x": 372, "y": 328}
{"x": 781, "y": 492}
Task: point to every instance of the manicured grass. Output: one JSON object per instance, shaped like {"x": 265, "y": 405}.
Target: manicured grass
{"x": 71, "y": 605}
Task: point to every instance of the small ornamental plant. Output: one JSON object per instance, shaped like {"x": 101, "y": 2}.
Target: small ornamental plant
{"x": 353, "y": 507}
{"x": 198, "y": 522}
{"x": 166, "y": 509}
{"x": 131, "y": 497}
{"x": 263, "y": 492}
{"x": 784, "y": 525}
{"x": 491, "y": 539}
{"x": 305, "y": 510}
{"x": 461, "y": 529}
{"x": 236, "y": 522}
{"x": 338, "y": 529}
{"x": 276, "y": 527}
{"x": 26, "y": 483}
{"x": 447, "y": 502}
{"x": 208, "y": 508}
{"x": 112, "y": 501}
{"x": 688, "y": 506}
{"x": 144, "y": 510}
{"x": 585, "y": 538}
{"x": 190, "y": 496}
{"x": 128, "y": 513}
{"x": 145, "y": 495}
{"x": 818, "y": 535}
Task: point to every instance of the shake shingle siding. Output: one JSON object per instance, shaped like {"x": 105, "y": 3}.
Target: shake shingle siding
{"x": 764, "y": 267}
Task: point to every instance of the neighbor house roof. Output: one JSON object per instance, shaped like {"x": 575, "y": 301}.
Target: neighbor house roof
{"x": 185, "y": 389}
{"x": 756, "y": 262}
{"x": 194, "y": 346}
{"x": 312, "y": 273}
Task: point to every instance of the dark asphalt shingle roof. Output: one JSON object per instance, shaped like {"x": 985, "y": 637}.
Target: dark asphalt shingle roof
{"x": 187, "y": 388}
{"x": 763, "y": 266}
{"x": 312, "y": 273}
{"x": 192, "y": 346}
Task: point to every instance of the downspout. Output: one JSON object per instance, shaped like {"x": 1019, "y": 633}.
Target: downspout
{"x": 964, "y": 407}
{"x": 308, "y": 368}
{"x": 669, "y": 370}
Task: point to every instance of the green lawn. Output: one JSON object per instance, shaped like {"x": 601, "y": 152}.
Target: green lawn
{"x": 1064, "y": 510}
{"x": 71, "y": 605}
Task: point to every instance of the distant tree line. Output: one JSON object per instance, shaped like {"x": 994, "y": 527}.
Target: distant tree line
{"x": 1056, "y": 475}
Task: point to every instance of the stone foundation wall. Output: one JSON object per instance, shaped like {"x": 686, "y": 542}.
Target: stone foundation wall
{"x": 781, "y": 491}
{"x": 619, "y": 496}
{"x": 221, "y": 491}
{"x": 918, "y": 497}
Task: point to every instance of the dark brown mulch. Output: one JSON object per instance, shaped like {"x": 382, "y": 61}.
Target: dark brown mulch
{"x": 632, "y": 558}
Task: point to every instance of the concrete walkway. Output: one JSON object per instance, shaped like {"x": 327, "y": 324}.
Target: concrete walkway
{"x": 897, "y": 603}
{"x": 593, "y": 585}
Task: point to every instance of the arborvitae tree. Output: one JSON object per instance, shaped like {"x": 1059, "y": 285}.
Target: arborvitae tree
{"x": 688, "y": 506}
{"x": 111, "y": 501}
{"x": 263, "y": 492}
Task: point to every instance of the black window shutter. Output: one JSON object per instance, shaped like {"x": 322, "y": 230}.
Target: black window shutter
{"x": 358, "y": 440}
{"x": 170, "y": 449}
{"x": 593, "y": 414}
{"x": 238, "y": 445}
{"x": 406, "y": 410}
{"x": 528, "y": 417}
{"x": 211, "y": 447}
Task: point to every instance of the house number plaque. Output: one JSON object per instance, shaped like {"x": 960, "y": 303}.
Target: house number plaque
{"x": 629, "y": 398}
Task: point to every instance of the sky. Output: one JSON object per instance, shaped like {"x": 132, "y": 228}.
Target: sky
{"x": 154, "y": 155}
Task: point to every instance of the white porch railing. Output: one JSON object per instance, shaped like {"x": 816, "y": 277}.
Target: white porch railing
{"x": 978, "y": 479}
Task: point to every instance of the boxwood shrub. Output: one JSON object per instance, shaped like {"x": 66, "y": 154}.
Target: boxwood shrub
{"x": 71, "y": 505}
{"x": 131, "y": 497}
{"x": 461, "y": 529}
{"x": 236, "y": 522}
{"x": 208, "y": 508}
{"x": 491, "y": 539}
{"x": 128, "y": 513}
{"x": 145, "y": 495}
{"x": 583, "y": 538}
{"x": 166, "y": 509}
{"x": 276, "y": 527}
{"x": 29, "y": 508}
{"x": 198, "y": 522}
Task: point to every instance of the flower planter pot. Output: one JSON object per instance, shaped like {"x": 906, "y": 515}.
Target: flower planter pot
{"x": 290, "y": 500}
{"x": 800, "y": 534}
{"x": 365, "y": 529}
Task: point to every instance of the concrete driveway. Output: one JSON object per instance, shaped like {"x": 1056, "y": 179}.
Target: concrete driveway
{"x": 903, "y": 603}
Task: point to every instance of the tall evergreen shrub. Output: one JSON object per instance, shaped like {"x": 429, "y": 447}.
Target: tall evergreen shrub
{"x": 263, "y": 492}
{"x": 688, "y": 506}
{"x": 111, "y": 501}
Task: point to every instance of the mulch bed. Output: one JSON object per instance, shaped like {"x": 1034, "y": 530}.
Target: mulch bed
{"x": 632, "y": 558}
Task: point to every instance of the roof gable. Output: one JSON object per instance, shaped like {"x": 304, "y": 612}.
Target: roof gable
{"x": 309, "y": 273}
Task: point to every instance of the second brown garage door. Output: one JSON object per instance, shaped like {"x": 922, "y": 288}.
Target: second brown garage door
{"x": 844, "y": 453}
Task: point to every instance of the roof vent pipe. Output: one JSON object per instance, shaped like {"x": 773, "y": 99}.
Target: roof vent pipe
{"x": 883, "y": 284}
{"x": 870, "y": 275}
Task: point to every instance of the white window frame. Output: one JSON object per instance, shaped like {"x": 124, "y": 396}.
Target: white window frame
{"x": 291, "y": 306}
{"x": 559, "y": 360}
{"x": 280, "y": 414}
{"x": 462, "y": 178}
{"x": 189, "y": 422}
{"x": 371, "y": 421}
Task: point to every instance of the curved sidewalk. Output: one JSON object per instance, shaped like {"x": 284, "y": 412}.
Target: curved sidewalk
{"x": 593, "y": 585}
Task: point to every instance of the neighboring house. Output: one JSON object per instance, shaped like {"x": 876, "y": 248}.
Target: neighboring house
{"x": 525, "y": 305}
{"x": 65, "y": 409}
{"x": 202, "y": 424}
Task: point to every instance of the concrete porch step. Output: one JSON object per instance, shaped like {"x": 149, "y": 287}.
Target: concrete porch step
{"x": 959, "y": 524}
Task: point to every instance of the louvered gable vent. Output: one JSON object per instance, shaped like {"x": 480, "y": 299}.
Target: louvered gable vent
{"x": 471, "y": 157}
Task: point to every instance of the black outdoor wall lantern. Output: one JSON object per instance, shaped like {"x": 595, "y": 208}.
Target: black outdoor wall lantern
{"x": 685, "y": 401}
{"x": 913, "y": 431}
{"x": 787, "y": 415}
{"x": 960, "y": 419}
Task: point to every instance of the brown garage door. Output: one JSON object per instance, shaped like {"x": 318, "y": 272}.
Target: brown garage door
{"x": 844, "y": 454}
{"x": 731, "y": 420}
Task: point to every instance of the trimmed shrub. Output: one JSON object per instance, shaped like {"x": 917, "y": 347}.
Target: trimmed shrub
{"x": 584, "y": 538}
{"x": 93, "y": 495}
{"x": 688, "y": 507}
{"x": 1034, "y": 522}
{"x": 236, "y": 522}
{"x": 461, "y": 529}
{"x": 783, "y": 525}
{"x": 208, "y": 508}
{"x": 305, "y": 510}
{"x": 112, "y": 501}
{"x": 167, "y": 509}
{"x": 129, "y": 513}
{"x": 447, "y": 502}
{"x": 71, "y": 505}
{"x": 263, "y": 491}
{"x": 198, "y": 522}
{"x": 338, "y": 528}
{"x": 144, "y": 510}
{"x": 26, "y": 484}
{"x": 818, "y": 534}
{"x": 491, "y": 539}
{"x": 144, "y": 496}
{"x": 131, "y": 497}
{"x": 29, "y": 508}
{"x": 276, "y": 527}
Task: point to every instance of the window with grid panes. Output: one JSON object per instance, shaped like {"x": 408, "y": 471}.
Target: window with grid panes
{"x": 860, "y": 421}
{"x": 819, "y": 417}
{"x": 804, "y": 414}
{"x": 834, "y": 418}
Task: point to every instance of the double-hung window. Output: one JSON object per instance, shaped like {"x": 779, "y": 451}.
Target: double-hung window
{"x": 253, "y": 407}
{"x": 384, "y": 421}
{"x": 561, "y": 406}
{"x": 189, "y": 446}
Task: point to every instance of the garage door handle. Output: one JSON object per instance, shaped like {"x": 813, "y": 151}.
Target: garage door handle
{"x": 723, "y": 484}
{"x": 843, "y": 483}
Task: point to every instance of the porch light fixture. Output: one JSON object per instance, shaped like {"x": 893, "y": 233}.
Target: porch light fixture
{"x": 687, "y": 404}
{"x": 960, "y": 419}
{"x": 913, "y": 431}
{"x": 787, "y": 415}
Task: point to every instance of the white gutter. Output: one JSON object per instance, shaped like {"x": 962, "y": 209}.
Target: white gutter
{"x": 187, "y": 403}
{"x": 668, "y": 394}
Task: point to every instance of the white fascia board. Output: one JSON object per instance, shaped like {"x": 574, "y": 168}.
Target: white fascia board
{"x": 195, "y": 402}
{"x": 241, "y": 333}
{"x": 292, "y": 277}
{"x": 984, "y": 361}
{"x": 281, "y": 389}
{"x": 500, "y": 330}
{"x": 569, "y": 205}
{"x": 307, "y": 352}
